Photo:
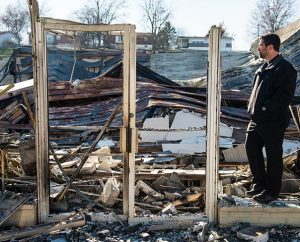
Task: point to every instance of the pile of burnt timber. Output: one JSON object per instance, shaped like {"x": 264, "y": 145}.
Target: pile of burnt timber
{"x": 89, "y": 102}
{"x": 169, "y": 180}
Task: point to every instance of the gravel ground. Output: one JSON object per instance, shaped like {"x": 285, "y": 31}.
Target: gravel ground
{"x": 114, "y": 232}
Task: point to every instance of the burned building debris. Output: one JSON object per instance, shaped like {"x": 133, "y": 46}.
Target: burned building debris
{"x": 86, "y": 168}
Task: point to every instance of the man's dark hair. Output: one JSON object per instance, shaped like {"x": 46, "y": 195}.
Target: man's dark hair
{"x": 271, "y": 39}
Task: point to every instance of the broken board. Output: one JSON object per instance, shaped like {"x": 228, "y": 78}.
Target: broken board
{"x": 259, "y": 216}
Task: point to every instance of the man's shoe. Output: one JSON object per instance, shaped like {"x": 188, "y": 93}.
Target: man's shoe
{"x": 254, "y": 191}
{"x": 264, "y": 197}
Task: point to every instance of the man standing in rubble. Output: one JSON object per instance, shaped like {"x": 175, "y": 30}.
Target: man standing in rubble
{"x": 273, "y": 88}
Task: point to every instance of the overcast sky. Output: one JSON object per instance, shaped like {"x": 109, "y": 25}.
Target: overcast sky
{"x": 189, "y": 17}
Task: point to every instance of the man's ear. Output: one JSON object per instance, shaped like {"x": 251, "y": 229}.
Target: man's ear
{"x": 270, "y": 47}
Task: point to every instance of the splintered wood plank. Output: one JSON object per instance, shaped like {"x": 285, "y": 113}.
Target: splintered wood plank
{"x": 17, "y": 89}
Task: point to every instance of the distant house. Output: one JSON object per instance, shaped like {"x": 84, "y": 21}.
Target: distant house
{"x": 65, "y": 42}
{"x": 143, "y": 41}
{"x": 202, "y": 43}
{"x": 8, "y": 39}
{"x": 60, "y": 41}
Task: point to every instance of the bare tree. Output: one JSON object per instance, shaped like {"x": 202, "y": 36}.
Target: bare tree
{"x": 98, "y": 12}
{"x": 270, "y": 15}
{"x": 156, "y": 15}
{"x": 15, "y": 19}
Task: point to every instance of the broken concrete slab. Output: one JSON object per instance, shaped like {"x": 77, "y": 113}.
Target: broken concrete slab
{"x": 110, "y": 191}
{"x": 152, "y": 136}
{"x": 88, "y": 168}
{"x": 92, "y": 159}
{"x": 187, "y": 149}
{"x": 236, "y": 154}
{"x": 105, "y": 143}
{"x": 187, "y": 125}
{"x": 180, "y": 135}
{"x": 187, "y": 120}
{"x": 193, "y": 145}
{"x": 156, "y": 136}
{"x": 104, "y": 166}
{"x": 156, "y": 123}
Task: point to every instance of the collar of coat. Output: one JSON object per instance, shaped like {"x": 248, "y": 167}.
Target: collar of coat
{"x": 268, "y": 65}
{"x": 272, "y": 63}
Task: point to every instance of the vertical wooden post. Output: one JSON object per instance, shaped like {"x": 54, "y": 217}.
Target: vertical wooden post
{"x": 129, "y": 130}
{"x": 40, "y": 77}
{"x": 132, "y": 111}
{"x": 212, "y": 123}
{"x": 125, "y": 127}
{"x": 41, "y": 123}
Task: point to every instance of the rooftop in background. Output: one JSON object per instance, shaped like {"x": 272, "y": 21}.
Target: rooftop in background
{"x": 202, "y": 43}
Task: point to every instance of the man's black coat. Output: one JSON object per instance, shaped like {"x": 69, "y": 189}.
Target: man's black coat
{"x": 274, "y": 86}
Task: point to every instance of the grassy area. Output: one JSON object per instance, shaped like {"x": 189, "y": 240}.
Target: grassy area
{"x": 5, "y": 52}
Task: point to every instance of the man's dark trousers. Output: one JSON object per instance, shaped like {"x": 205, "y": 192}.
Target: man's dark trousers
{"x": 269, "y": 135}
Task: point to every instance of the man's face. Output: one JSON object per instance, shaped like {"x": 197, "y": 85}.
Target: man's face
{"x": 262, "y": 49}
